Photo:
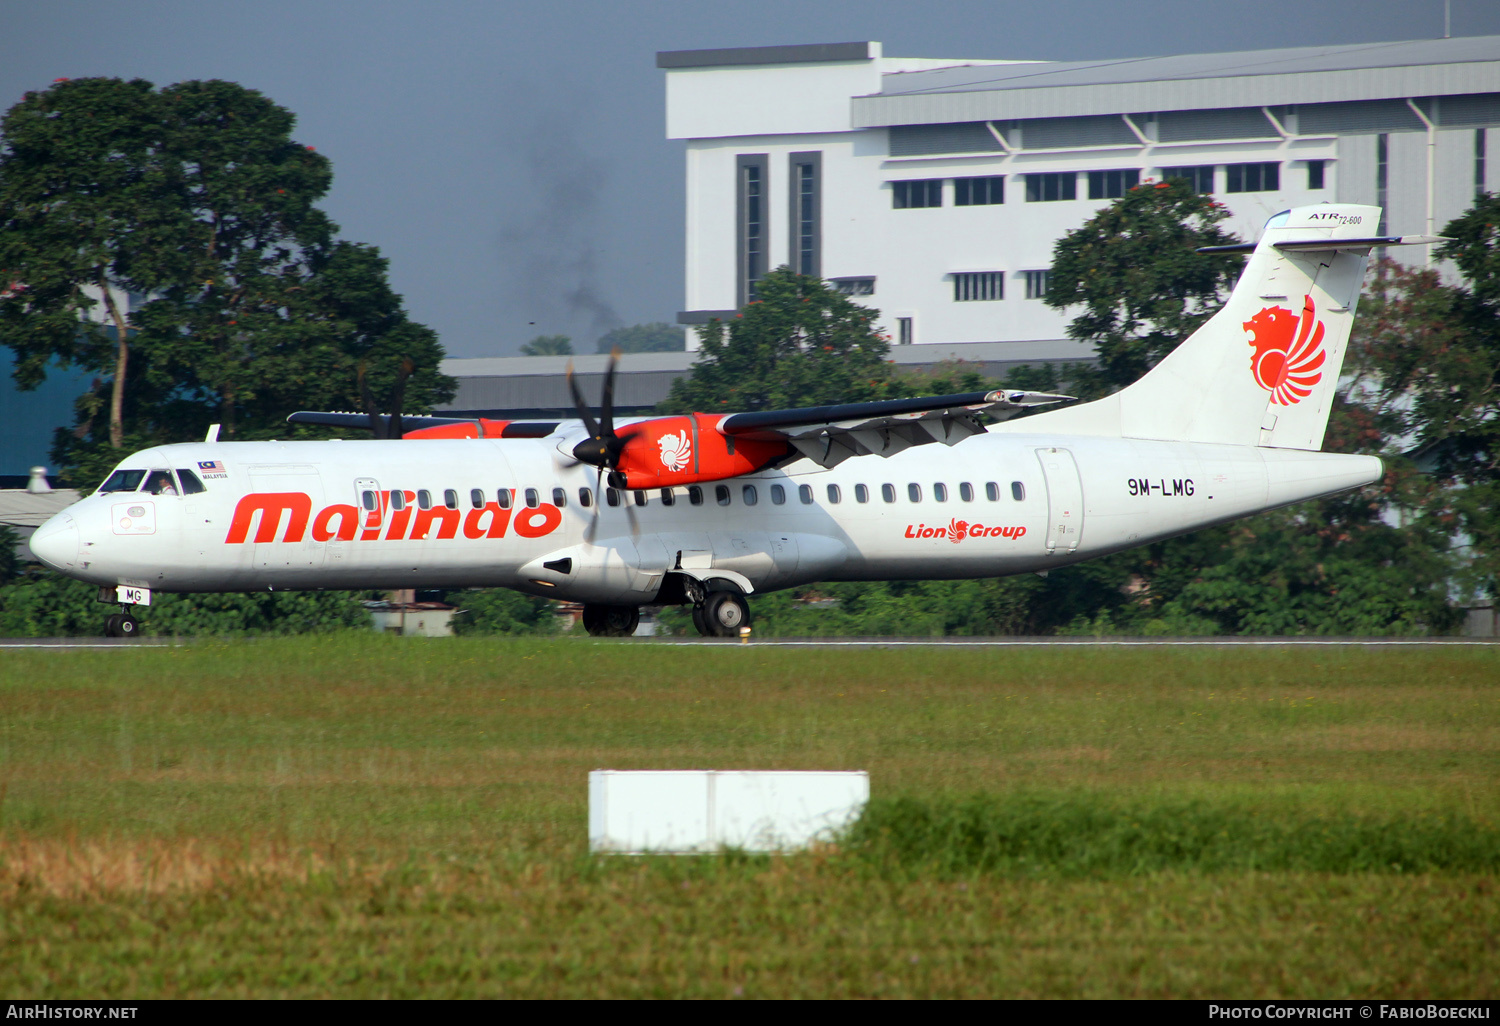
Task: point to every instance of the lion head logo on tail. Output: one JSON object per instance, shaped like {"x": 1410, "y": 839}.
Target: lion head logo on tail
{"x": 1288, "y": 352}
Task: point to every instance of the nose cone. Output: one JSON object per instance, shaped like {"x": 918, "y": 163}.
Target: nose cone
{"x": 55, "y": 543}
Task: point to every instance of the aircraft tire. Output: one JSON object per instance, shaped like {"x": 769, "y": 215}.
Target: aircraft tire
{"x": 724, "y": 613}
{"x": 611, "y": 621}
{"x": 700, "y": 623}
{"x": 121, "y": 625}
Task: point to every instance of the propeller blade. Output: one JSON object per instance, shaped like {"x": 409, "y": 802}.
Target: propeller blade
{"x": 377, "y": 429}
{"x": 593, "y": 527}
{"x": 591, "y": 425}
{"x": 393, "y": 429}
{"x": 607, "y": 400}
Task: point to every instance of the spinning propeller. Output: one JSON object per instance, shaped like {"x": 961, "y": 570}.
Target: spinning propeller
{"x": 391, "y": 428}
{"x": 604, "y": 446}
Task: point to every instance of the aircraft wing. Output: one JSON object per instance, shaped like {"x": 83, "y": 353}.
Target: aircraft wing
{"x": 828, "y": 435}
{"x": 413, "y": 426}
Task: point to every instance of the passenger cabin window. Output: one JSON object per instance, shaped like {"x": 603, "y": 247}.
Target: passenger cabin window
{"x": 450, "y": 498}
{"x": 1018, "y": 491}
{"x": 804, "y": 492}
{"x": 190, "y": 483}
{"x": 778, "y": 495}
{"x": 992, "y": 491}
{"x": 940, "y": 492}
{"x": 888, "y": 492}
{"x": 834, "y": 495}
{"x": 476, "y": 498}
{"x": 966, "y": 491}
{"x": 861, "y": 493}
{"x": 750, "y": 495}
{"x": 668, "y": 496}
{"x": 123, "y": 481}
{"x": 502, "y": 496}
{"x": 695, "y": 495}
{"x": 612, "y": 496}
{"x": 368, "y": 501}
{"x": 640, "y": 497}
{"x": 914, "y": 492}
{"x": 533, "y": 500}
{"x": 721, "y": 494}
{"x": 424, "y": 499}
{"x": 160, "y": 483}
{"x": 559, "y": 497}
{"x": 398, "y": 499}
{"x": 585, "y": 497}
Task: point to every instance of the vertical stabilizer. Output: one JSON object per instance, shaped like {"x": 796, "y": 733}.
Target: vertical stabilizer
{"x": 1262, "y": 371}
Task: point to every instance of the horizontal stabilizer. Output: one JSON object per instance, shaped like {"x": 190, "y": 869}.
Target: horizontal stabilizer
{"x": 1323, "y": 245}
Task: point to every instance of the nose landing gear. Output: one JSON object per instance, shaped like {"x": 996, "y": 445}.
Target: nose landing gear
{"x": 121, "y": 625}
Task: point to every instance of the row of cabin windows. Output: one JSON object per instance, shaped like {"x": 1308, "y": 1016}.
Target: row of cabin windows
{"x": 723, "y": 495}
{"x": 750, "y": 494}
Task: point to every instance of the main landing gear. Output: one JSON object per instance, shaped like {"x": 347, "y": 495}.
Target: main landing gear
{"x": 719, "y": 609}
{"x": 611, "y": 621}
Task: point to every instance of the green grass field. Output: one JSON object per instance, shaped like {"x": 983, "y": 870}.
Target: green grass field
{"x": 363, "y": 816}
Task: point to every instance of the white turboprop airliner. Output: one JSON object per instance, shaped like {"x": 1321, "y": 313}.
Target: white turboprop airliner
{"x": 710, "y": 508}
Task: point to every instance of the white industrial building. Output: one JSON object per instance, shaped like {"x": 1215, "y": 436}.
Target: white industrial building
{"x": 935, "y": 190}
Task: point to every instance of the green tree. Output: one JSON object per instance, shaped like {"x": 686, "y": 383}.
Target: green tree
{"x": 85, "y": 207}
{"x": 657, "y": 337}
{"x": 252, "y": 308}
{"x": 548, "y": 345}
{"x": 801, "y": 343}
{"x": 502, "y": 611}
{"x": 1143, "y": 289}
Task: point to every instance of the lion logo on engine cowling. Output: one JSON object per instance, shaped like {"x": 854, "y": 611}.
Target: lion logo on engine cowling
{"x": 676, "y": 450}
{"x": 1288, "y": 352}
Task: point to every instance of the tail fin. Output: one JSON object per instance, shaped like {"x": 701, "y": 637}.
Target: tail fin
{"x": 1262, "y": 371}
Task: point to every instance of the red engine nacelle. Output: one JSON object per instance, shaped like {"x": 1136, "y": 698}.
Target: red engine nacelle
{"x": 668, "y": 451}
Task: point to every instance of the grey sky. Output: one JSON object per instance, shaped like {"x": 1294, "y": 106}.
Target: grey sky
{"x": 509, "y": 158}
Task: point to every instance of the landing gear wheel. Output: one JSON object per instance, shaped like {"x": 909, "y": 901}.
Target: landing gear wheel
{"x": 122, "y": 625}
{"x": 611, "y": 621}
{"x": 724, "y": 613}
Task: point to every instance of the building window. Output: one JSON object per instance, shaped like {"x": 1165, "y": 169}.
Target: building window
{"x": 1036, "y": 283}
{"x": 978, "y": 285}
{"x": 978, "y": 192}
{"x": 922, "y": 193}
{"x": 1051, "y": 187}
{"x": 1263, "y": 177}
{"x": 1315, "y": 174}
{"x": 1479, "y": 171}
{"x": 853, "y": 286}
{"x": 750, "y": 204}
{"x": 1382, "y": 178}
{"x": 1112, "y": 184}
{"x": 903, "y": 331}
{"x": 806, "y": 233}
{"x": 1200, "y": 178}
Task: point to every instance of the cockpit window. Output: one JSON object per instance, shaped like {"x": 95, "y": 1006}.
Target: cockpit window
{"x": 123, "y": 481}
{"x": 190, "y": 483}
{"x": 159, "y": 482}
